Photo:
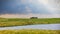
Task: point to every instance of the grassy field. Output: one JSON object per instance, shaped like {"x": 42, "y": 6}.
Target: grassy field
{"x": 5, "y": 22}
{"x": 30, "y": 31}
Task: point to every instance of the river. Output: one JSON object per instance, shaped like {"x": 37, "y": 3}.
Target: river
{"x": 39, "y": 26}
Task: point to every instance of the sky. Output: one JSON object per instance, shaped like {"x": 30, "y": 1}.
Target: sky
{"x": 30, "y": 8}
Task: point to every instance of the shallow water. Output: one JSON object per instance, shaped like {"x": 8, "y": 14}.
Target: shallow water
{"x": 40, "y": 26}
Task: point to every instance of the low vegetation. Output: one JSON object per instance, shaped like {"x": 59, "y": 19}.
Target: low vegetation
{"x": 30, "y": 31}
{"x": 5, "y": 22}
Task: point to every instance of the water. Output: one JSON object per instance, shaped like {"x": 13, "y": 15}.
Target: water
{"x": 40, "y": 26}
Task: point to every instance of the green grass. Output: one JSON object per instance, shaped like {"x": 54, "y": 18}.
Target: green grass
{"x": 5, "y": 22}
{"x": 30, "y": 31}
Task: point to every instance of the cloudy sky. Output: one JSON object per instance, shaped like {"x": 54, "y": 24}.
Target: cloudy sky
{"x": 30, "y": 8}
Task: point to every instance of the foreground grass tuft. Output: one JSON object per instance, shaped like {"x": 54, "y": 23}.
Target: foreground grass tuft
{"x": 30, "y": 31}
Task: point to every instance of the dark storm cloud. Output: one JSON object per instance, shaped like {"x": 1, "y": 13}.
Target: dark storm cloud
{"x": 11, "y": 7}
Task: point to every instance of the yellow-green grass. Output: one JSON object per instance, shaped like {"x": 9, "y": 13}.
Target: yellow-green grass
{"x": 30, "y": 31}
{"x": 5, "y": 22}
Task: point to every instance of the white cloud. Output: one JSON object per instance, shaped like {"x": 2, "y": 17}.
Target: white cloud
{"x": 23, "y": 1}
{"x": 28, "y": 9}
{"x": 51, "y": 5}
